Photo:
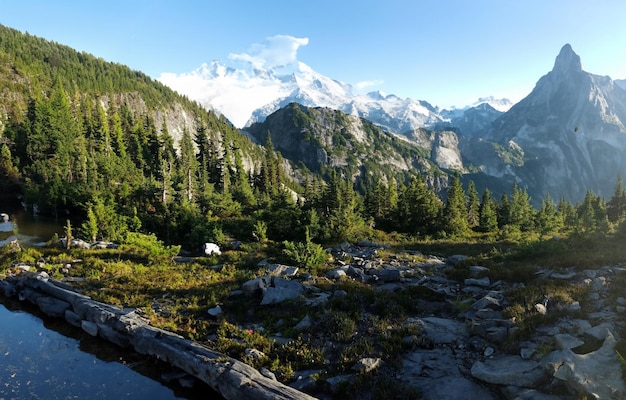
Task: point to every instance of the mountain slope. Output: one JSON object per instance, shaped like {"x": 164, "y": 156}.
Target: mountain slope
{"x": 323, "y": 138}
{"x": 570, "y": 129}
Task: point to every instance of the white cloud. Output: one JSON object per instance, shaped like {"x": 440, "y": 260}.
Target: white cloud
{"x": 275, "y": 51}
{"x": 365, "y": 84}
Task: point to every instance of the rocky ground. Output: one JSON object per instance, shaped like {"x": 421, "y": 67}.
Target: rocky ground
{"x": 464, "y": 333}
{"x": 474, "y": 352}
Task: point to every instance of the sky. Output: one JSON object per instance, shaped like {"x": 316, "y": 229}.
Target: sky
{"x": 447, "y": 52}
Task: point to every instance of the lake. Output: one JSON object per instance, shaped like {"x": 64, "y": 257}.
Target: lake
{"x": 44, "y": 358}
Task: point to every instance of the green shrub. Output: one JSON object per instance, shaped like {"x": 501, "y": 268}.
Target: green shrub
{"x": 151, "y": 245}
{"x": 307, "y": 255}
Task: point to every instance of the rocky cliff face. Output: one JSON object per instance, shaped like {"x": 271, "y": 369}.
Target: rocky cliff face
{"x": 570, "y": 131}
{"x": 322, "y": 137}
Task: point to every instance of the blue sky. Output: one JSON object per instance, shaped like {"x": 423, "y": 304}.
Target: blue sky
{"x": 448, "y": 52}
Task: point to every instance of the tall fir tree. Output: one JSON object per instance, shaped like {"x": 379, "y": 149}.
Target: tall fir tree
{"x": 487, "y": 213}
{"x": 455, "y": 212}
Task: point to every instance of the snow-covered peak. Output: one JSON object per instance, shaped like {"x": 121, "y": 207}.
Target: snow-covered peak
{"x": 501, "y": 105}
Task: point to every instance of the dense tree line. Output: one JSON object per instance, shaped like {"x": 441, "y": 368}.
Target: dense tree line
{"x": 114, "y": 169}
{"x": 118, "y": 172}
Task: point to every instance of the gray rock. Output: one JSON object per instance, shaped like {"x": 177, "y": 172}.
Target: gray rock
{"x": 52, "y": 307}
{"x": 336, "y": 273}
{"x": 567, "y": 341}
{"x": 518, "y": 393}
{"x": 72, "y": 318}
{"x": 365, "y": 365}
{"x": 254, "y": 286}
{"x": 455, "y": 259}
{"x": 282, "y": 270}
{"x": 509, "y": 370}
{"x": 598, "y": 373}
{"x": 268, "y": 374}
{"x": 304, "y": 324}
{"x": 563, "y": 276}
{"x": 281, "y": 290}
{"x": 598, "y": 283}
{"x": 89, "y": 327}
{"x": 215, "y": 311}
{"x": 481, "y": 282}
{"x": 489, "y": 302}
{"x": 440, "y": 330}
{"x": 454, "y": 388}
{"x": 527, "y": 353}
{"x": 476, "y": 270}
{"x": 599, "y": 332}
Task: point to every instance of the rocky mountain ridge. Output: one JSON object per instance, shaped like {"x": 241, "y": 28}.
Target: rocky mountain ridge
{"x": 570, "y": 131}
{"x": 246, "y": 95}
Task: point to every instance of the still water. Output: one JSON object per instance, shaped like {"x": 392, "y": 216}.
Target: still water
{"x": 42, "y": 358}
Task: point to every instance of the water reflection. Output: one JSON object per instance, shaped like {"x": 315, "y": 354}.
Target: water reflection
{"x": 42, "y": 358}
{"x": 24, "y": 226}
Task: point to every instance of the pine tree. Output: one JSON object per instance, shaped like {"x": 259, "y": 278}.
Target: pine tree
{"x": 418, "y": 208}
{"x": 616, "y": 207}
{"x": 188, "y": 169}
{"x": 455, "y": 211}
{"x": 548, "y": 220}
{"x": 473, "y": 205}
{"x": 521, "y": 211}
{"x": 487, "y": 213}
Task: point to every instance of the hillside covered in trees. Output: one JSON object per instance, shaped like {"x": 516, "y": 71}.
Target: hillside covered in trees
{"x": 116, "y": 152}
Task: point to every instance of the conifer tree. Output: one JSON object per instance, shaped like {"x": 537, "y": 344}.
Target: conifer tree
{"x": 473, "y": 205}
{"x": 521, "y": 213}
{"x": 548, "y": 220}
{"x": 616, "y": 207}
{"x": 487, "y": 213}
{"x": 188, "y": 170}
{"x": 455, "y": 212}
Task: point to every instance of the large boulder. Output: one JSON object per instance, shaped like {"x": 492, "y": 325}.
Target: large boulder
{"x": 510, "y": 371}
{"x": 596, "y": 375}
{"x": 281, "y": 290}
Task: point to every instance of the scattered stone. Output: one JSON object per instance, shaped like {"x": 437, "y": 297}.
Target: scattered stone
{"x": 304, "y": 324}
{"x": 477, "y": 270}
{"x": 255, "y": 354}
{"x": 215, "y": 311}
{"x": 527, "y": 353}
{"x": 481, "y": 282}
{"x": 365, "y": 365}
{"x": 336, "y": 273}
{"x": 89, "y": 327}
{"x": 268, "y": 374}
{"x": 282, "y": 270}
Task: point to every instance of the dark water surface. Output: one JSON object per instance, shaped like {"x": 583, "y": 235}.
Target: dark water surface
{"x": 42, "y": 358}
{"x": 25, "y": 227}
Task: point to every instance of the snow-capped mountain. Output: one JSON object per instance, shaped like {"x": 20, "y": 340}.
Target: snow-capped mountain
{"x": 246, "y": 95}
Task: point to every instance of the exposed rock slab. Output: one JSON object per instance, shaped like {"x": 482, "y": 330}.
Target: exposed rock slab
{"x": 509, "y": 371}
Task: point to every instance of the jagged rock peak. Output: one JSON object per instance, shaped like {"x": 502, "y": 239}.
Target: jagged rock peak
{"x": 567, "y": 61}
